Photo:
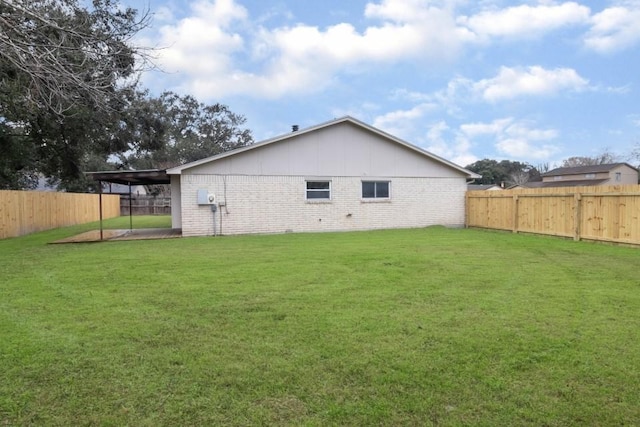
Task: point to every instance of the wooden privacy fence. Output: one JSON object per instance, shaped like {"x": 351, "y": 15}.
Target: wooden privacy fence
{"x": 605, "y": 213}
{"x": 24, "y": 212}
{"x": 145, "y": 205}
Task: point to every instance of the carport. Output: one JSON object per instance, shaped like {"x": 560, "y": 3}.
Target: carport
{"x": 129, "y": 178}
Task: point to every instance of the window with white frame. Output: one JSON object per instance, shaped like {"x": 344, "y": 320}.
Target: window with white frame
{"x": 618, "y": 176}
{"x": 590, "y": 175}
{"x": 376, "y": 189}
{"x": 318, "y": 190}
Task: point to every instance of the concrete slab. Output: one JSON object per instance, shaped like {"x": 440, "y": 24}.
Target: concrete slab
{"x": 111, "y": 235}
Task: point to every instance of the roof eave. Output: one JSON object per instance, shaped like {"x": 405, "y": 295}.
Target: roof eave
{"x": 578, "y": 170}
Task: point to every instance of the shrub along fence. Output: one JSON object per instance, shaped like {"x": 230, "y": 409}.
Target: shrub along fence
{"x": 605, "y": 213}
{"x": 24, "y": 212}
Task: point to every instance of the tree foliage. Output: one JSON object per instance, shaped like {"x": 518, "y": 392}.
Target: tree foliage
{"x": 64, "y": 74}
{"x": 171, "y": 130}
{"x": 601, "y": 159}
{"x": 69, "y": 101}
{"x": 17, "y": 159}
{"x": 505, "y": 172}
{"x": 56, "y": 54}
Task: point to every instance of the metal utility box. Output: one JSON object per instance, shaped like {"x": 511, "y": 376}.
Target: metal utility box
{"x": 206, "y": 198}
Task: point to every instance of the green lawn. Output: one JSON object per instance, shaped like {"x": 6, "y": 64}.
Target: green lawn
{"x": 406, "y": 327}
{"x": 145, "y": 221}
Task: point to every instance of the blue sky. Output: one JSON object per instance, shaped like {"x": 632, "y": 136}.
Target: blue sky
{"x": 535, "y": 81}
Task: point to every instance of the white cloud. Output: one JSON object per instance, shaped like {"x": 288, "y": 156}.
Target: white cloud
{"x": 509, "y": 137}
{"x": 395, "y": 10}
{"x": 437, "y": 138}
{"x": 508, "y": 84}
{"x": 496, "y": 127}
{"x": 202, "y": 43}
{"x": 218, "y": 51}
{"x": 614, "y": 29}
{"x": 449, "y": 145}
{"x": 515, "y": 82}
{"x": 515, "y": 139}
{"x": 458, "y": 90}
{"x": 464, "y": 159}
{"x": 525, "y": 21}
{"x": 408, "y": 31}
{"x": 403, "y": 123}
{"x": 634, "y": 119}
{"x": 222, "y": 12}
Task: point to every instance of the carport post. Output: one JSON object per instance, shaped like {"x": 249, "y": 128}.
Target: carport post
{"x": 100, "y": 204}
{"x": 130, "y": 210}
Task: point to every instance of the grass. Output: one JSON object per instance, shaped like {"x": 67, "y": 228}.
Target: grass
{"x": 142, "y": 221}
{"x": 405, "y": 327}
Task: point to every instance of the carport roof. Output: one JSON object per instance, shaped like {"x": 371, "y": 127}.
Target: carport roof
{"x": 139, "y": 177}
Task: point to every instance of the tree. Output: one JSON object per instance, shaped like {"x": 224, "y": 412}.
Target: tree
{"x": 171, "y": 130}
{"x": 603, "y": 158}
{"x": 519, "y": 178}
{"x": 57, "y": 54}
{"x": 69, "y": 101}
{"x": 635, "y": 155}
{"x": 489, "y": 169}
{"x": 65, "y": 72}
{"x": 505, "y": 172}
{"x": 17, "y": 162}
{"x": 543, "y": 167}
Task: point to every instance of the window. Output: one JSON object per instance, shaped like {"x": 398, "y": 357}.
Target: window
{"x": 318, "y": 190}
{"x": 557, "y": 178}
{"x": 618, "y": 176}
{"x": 375, "y": 189}
{"x": 590, "y": 176}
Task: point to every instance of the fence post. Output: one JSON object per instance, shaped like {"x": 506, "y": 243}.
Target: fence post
{"x": 466, "y": 209}
{"x": 577, "y": 216}
{"x": 100, "y": 208}
{"x": 515, "y": 213}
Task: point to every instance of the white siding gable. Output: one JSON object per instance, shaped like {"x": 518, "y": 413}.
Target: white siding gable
{"x": 628, "y": 175}
{"x": 344, "y": 149}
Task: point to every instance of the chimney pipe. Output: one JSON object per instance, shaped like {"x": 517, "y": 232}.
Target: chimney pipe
{"x": 294, "y": 128}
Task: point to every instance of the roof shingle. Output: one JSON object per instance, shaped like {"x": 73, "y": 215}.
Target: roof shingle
{"x": 576, "y": 170}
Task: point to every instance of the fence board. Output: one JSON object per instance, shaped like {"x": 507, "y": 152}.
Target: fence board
{"x": 24, "y": 212}
{"x": 606, "y": 213}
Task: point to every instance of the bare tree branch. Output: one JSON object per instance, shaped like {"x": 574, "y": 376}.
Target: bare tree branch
{"x": 60, "y": 54}
{"x": 519, "y": 177}
{"x": 603, "y": 158}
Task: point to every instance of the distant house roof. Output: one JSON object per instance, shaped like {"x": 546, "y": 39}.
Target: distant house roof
{"x": 577, "y": 170}
{"x": 482, "y": 187}
{"x": 178, "y": 170}
{"x": 551, "y": 184}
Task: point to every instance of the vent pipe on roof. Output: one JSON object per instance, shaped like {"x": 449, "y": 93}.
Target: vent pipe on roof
{"x": 295, "y": 128}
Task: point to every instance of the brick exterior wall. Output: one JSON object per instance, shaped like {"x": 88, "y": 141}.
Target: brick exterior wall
{"x": 277, "y": 204}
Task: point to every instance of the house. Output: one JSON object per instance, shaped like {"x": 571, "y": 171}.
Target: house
{"x": 483, "y": 187}
{"x": 578, "y": 176}
{"x": 530, "y": 184}
{"x": 339, "y": 175}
